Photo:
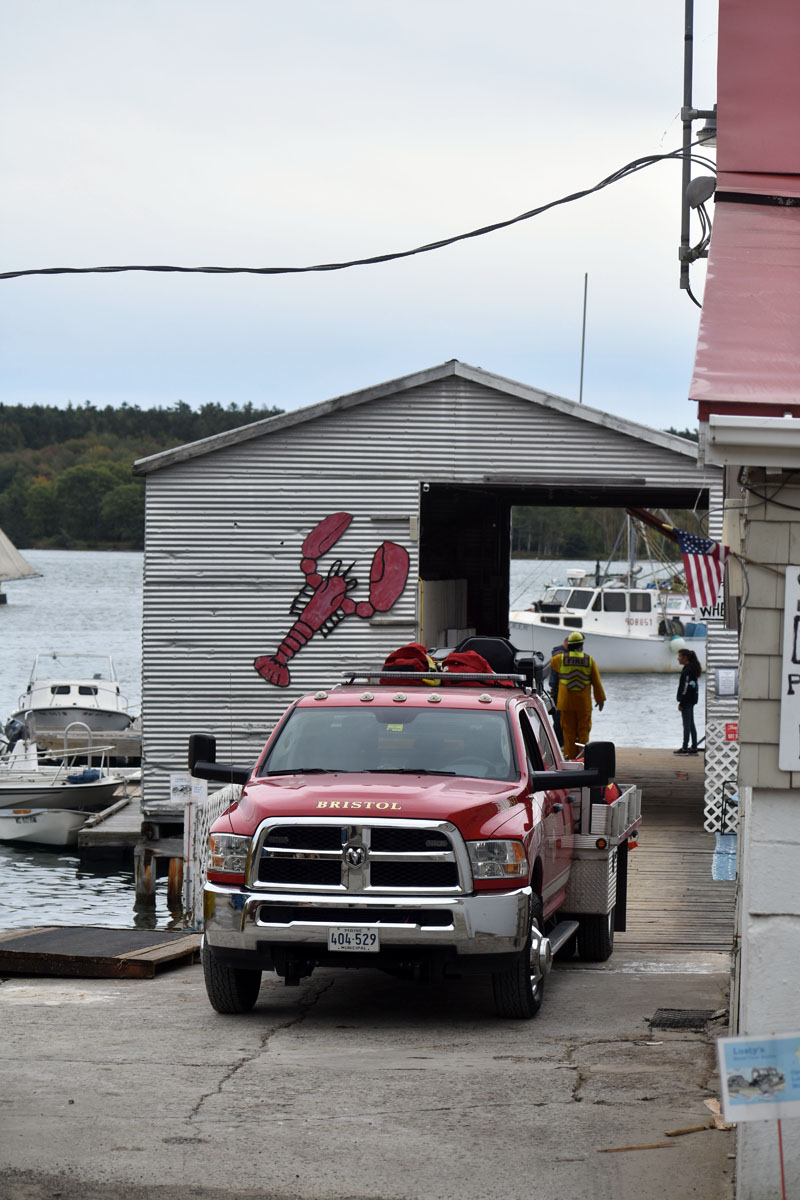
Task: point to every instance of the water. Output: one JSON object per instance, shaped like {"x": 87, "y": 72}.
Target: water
{"x": 92, "y": 601}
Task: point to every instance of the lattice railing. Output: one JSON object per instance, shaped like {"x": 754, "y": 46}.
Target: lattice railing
{"x": 721, "y": 811}
{"x": 199, "y": 816}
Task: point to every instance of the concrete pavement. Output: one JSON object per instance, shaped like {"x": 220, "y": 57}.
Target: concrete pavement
{"x": 356, "y": 1085}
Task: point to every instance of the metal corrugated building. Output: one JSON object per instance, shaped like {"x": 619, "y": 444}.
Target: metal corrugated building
{"x": 432, "y": 462}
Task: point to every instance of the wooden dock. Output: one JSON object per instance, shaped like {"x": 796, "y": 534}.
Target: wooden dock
{"x": 673, "y": 902}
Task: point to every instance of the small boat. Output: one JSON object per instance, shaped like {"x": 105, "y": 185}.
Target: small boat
{"x": 47, "y": 799}
{"x": 64, "y": 688}
{"x": 626, "y": 628}
{"x": 42, "y": 826}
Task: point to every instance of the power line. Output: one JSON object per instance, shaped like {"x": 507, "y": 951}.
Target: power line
{"x": 638, "y": 164}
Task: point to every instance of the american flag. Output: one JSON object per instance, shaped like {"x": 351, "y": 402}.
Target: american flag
{"x": 704, "y": 564}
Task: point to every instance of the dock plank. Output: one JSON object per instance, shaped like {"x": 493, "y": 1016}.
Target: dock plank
{"x": 673, "y": 901}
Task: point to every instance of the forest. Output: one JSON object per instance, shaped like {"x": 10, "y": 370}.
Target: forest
{"x": 65, "y": 473}
{"x": 66, "y": 480}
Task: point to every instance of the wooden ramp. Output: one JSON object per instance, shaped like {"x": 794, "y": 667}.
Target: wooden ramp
{"x": 674, "y": 903}
{"x": 90, "y": 952}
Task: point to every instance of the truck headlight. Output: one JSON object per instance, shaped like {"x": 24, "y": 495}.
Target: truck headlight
{"x": 498, "y": 858}
{"x": 227, "y": 854}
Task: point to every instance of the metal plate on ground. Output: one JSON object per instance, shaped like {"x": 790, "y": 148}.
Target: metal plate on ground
{"x": 92, "y": 952}
{"x": 681, "y": 1018}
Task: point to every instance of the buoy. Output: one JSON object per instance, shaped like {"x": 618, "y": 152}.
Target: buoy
{"x": 676, "y": 644}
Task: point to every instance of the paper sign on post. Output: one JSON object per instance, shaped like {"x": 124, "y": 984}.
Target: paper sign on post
{"x": 760, "y": 1077}
{"x": 183, "y": 788}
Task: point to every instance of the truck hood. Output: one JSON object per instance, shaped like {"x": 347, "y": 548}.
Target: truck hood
{"x": 475, "y": 806}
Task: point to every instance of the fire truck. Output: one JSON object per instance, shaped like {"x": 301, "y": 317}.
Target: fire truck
{"x": 426, "y": 826}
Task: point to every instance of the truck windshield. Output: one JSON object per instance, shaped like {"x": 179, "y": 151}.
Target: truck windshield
{"x": 428, "y": 741}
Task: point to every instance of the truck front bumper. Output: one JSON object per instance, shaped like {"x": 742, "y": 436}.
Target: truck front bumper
{"x": 239, "y": 922}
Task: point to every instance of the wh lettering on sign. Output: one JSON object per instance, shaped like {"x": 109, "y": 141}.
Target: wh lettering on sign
{"x": 789, "y": 737}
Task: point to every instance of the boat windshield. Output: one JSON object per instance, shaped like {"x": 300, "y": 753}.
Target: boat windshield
{"x": 72, "y": 666}
{"x": 429, "y": 741}
{"x": 569, "y": 597}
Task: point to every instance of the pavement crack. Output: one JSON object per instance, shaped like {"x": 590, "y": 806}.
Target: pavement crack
{"x": 306, "y": 1002}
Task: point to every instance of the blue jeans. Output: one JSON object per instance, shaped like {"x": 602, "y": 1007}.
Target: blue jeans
{"x": 689, "y": 731}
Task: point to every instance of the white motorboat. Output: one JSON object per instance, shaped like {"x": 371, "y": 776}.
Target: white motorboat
{"x": 626, "y": 628}
{"x": 65, "y": 688}
{"x": 42, "y": 826}
{"x": 78, "y": 779}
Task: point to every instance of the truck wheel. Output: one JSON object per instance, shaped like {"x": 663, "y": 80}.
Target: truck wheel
{"x": 230, "y": 989}
{"x": 596, "y": 937}
{"x": 518, "y": 990}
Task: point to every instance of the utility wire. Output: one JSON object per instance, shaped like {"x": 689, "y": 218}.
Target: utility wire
{"x": 638, "y": 164}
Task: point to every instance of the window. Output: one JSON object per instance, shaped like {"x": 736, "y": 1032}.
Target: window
{"x": 532, "y": 720}
{"x": 580, "y": 598}
{"x": 613, "y": 601}
{"x": 407, "y": 740}
{"x": 641, "y": 602}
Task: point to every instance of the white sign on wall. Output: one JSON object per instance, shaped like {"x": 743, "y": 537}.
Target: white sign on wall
{"x": 789, "y": 737}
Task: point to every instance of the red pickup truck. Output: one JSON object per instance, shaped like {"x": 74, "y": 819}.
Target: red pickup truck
{"x": 434, "y": 831}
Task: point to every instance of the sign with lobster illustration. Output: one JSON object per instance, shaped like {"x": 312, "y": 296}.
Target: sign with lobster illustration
{"x": 325, "y": 600}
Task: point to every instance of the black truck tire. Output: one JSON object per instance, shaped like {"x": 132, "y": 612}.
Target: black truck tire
{"x": 230, "y": 989}
{"x": 519, "y": 989}
{"x": 596, "y": 937}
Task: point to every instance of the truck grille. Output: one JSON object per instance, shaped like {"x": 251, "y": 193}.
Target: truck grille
{"x": 383, "y": 856}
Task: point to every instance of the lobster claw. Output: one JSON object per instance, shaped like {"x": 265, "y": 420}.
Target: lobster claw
{"x": 387, "y": 575}
{"x": 325, "y": 535}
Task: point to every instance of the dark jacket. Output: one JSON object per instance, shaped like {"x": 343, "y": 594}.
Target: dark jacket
{"x": 687, "y": 688}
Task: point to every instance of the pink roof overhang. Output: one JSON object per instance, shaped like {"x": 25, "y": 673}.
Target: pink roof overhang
{"x": 748, "y": 347}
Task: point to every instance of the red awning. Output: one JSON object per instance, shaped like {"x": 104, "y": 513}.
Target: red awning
{"x": 748, "y": 347}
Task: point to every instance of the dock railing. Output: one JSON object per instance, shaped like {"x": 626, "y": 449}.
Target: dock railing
{"x": 199, "y": 816}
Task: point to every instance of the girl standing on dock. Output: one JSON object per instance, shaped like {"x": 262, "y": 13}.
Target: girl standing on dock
{"x": 688, "y": 692}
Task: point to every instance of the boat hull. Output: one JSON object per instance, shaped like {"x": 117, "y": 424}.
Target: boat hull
{"x": 41, "y": 826}
{"x": 57, "y": 720}
{"x": 615, "y": 654}
{"x": 31, "y": 791}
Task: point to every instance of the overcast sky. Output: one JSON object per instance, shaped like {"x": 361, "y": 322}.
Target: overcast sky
{"x": 259, "y": 133}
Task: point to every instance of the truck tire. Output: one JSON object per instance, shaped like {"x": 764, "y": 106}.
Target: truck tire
{"x": 518, "y": 991}
{"x": 230, "y": 989}
{"x": 596, "y": 937}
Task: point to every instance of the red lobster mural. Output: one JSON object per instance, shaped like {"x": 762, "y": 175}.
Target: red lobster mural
{"x": 324, "y": 601}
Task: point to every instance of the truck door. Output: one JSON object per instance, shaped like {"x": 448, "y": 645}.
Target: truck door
{"x": 556, "y": 809}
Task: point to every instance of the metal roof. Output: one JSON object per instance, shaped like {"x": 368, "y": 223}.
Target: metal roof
{"x": 452, "y": 368}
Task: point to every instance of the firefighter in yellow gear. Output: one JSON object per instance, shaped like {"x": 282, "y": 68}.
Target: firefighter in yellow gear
{"x": 578, "y": 678}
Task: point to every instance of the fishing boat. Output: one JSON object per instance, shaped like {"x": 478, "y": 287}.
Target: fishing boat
{"x": 634, "y": 621}
{"x": 628, "y": 629}
{"x": 65, "y": 688}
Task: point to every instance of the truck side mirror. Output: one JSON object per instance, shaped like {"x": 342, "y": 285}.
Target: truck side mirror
{"x": 599, "y": 767}
{"x": 602, "y": 758}
{"x": 203, "y": 761}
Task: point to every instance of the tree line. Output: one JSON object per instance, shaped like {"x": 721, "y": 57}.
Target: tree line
{"x": 66, "y": 477}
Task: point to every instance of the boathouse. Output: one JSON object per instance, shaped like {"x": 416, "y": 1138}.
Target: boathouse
{"x": 328, "y": 536}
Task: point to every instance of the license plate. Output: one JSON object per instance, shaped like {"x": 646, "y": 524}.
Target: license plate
{"x": 351, "y": 937}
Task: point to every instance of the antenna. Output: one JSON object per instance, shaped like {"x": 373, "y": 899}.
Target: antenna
{"x": 583, "y": 334}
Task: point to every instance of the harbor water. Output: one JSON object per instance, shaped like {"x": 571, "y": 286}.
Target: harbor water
{"x": 91, "y": 601}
